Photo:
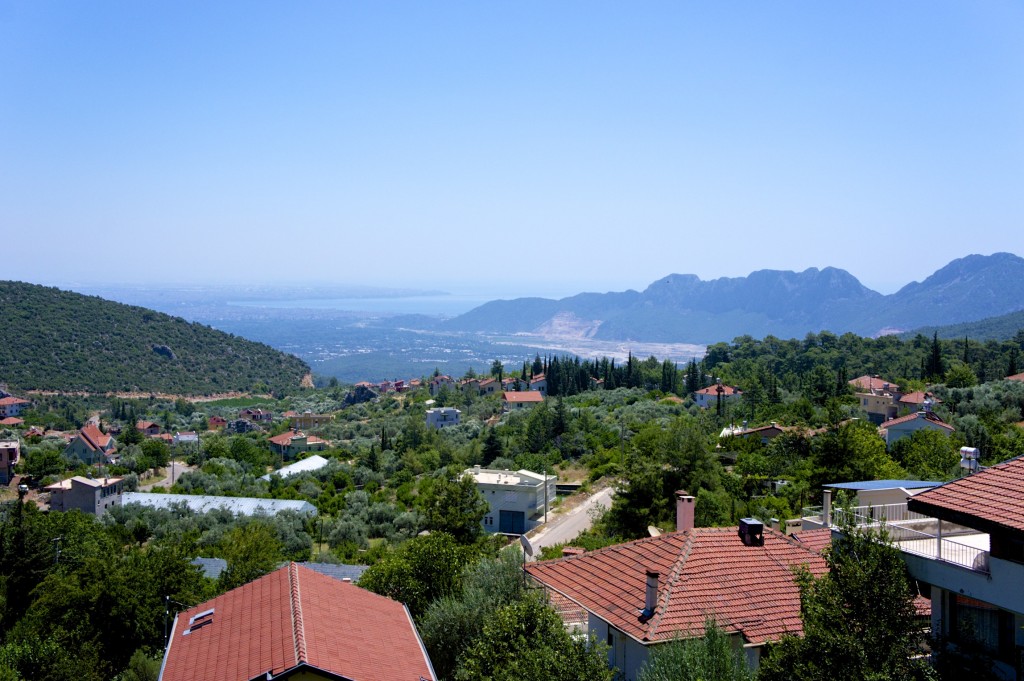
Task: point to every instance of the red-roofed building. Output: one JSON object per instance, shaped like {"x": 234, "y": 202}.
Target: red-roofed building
{"x": 659, "y": 589}
{"x": 905, "y": 426}
{"x": 12, "y": 421}
{"x": 871, "y": 384}
{"x": 917, "y": 401}
{"x": 511, "y": 401}
{"x": 12, "y": 406}
{"x": 148, "y": 428}
{"x": 299, "y": 624}
{"x": 217, "y": 422}
{"x": 91, "y": 445}
{"x": 1015, "y": 377}
{"x": 293, "y": 443}
{"x": 708, "y": 397}
{"x": 972, "y": 555}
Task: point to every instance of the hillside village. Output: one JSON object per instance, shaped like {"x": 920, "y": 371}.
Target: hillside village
{"x": 165, "y": 519}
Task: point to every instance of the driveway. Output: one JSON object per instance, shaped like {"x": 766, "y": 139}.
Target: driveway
{"x": 175, "y": 470}
{"x": 566, "y": 527}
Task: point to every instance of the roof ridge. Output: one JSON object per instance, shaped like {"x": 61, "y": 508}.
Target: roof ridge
{"x": 298, "y": 631}
{"x": 677, "y": 570}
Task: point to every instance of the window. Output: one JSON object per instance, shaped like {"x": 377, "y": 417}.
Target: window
{"x": 976, "y": 623}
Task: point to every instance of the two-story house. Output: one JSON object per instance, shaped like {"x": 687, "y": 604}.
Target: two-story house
{"x": 707, "y": 398}
{"x": 512, "y": 401}
{"x": 443, "y": 417}
{"x": 89, "y": 495}
{"x": 11, "y": 406}
{"x": 10, "y": 452}
{"x": 91, "y": 446}
{"x": 517, "y": 499}
{"x": 292, "y": 443}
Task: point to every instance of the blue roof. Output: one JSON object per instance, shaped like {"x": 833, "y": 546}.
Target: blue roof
{"x": 212, "y": 567}
{"x": 338, "y": 570}
{"x": 870, "y": 485}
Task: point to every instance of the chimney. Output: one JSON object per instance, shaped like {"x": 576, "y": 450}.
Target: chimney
{"x": 684, "y": 511}
{"x": 826, "y": 507}
{"x": 651, "y": 595}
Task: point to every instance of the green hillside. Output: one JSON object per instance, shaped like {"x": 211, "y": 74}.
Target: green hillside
{"x": 999, "y": 328}
{"x": 60, "y": 340}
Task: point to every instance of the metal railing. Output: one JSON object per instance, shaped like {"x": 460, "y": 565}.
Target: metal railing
{"x": 911, "y": 532}
{"x": 931, "y": 546}
{"x": 874, "y": 515}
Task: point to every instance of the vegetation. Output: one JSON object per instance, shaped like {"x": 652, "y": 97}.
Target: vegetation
{"x": 713, "y": 656}
{"x": 59, "y": 340}
{"x": 859, "y": 618}
{"x": 389, "y": 478}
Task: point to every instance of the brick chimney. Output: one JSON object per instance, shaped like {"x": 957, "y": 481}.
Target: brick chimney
{"x": 684, "y": 511}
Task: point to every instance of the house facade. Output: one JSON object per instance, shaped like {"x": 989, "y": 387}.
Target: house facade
{"x": 443, "y": 417}
{"x": 10, "y": 453}
{"x": 905, "y": 426}
{"x": 963, "y": 543}
{"x": 91, "y": 446}
{"x": 513, "y": 401}
{"x": 12, "y": 406}
{"x": 518, "y": 500}
{"x": 89, "y": 495}
{"x": 708, "y": 397}
{"x": 291, "y": 444}
{"x": 307, "y": 420}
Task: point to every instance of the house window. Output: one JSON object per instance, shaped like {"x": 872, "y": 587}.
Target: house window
{"x": 976, "y": 623}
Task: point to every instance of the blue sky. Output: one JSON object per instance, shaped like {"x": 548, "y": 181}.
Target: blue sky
{"x": 510, "y": 148}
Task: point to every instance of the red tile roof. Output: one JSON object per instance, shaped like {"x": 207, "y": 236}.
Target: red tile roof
{"x": 815, "y": 540}
{"x": 11, "y": 400}
{"x": 1015, "y": 377}
{"x": 990, "y": 499}
{"x": 295, "y": 616}
{"x": 927, "y": 415}
{"x": 705, "y": 571}
{"x": 872, "y": 383}
{"x": 918, "y": 397}
{"x": 11, "y": 421}
{"x": 526, "y": 396}
{"x": 94, "y": 438}
{"x": 727, "y": 390}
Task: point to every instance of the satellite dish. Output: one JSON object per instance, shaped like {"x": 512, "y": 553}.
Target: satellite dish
{"x": 527, "y": 546}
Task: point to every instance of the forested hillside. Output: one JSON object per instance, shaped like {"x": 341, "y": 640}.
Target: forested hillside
{"x": 60, "y": 340}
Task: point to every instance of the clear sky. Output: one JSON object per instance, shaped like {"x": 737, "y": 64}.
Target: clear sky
{"x": 513, "y": 147}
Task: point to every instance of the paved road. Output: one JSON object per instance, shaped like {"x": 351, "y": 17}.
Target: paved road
{"x": 178, "y": 469}
{"x": 566, "y": 527}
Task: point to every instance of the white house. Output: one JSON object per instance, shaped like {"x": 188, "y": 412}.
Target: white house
{"x": 708, "y": 397}
{"x": 443, "y": 417}
{"x": 905, "y": 426}
{"x": 518, "y": 500}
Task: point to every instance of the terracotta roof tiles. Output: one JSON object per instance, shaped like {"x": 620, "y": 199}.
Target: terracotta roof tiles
{"x": 992, "y": 496}
{"x": 703, "y": 572}
{"x": 295, "y": 616}
{"x": 526, "y": 396}
{"x": 929, "y": 416}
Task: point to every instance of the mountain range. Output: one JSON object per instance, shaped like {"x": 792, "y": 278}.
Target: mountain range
{"x": 682, "y": 308}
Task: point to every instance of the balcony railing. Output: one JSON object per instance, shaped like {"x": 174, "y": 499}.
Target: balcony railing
{"x": 914, "y": 533}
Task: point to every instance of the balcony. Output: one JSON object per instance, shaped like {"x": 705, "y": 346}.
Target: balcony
{"x": 912, "y": 533}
